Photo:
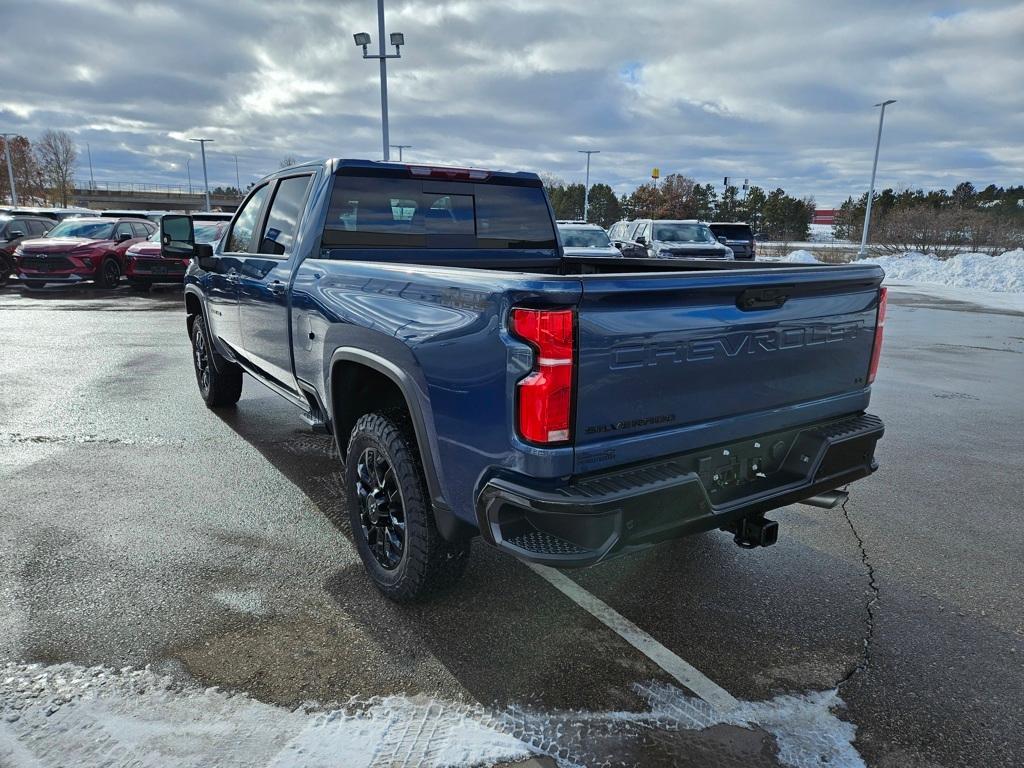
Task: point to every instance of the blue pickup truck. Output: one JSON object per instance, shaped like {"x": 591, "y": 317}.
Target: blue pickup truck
{"x": 479, "y": 382}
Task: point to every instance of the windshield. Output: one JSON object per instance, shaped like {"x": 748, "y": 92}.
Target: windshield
{"x": 584, "y": 238}
{"x": 683, "y": 233}
{"x": 93, "y": 230}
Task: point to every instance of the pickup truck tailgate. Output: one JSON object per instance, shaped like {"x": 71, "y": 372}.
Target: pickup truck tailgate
{"x": 670, "y": 362}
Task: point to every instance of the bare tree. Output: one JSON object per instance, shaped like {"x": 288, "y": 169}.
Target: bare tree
{"x": 26, "y": 171}
{"x": 57, "y": 157}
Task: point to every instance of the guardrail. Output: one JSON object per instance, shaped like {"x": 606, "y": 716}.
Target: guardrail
{"x": 132, "y": 187}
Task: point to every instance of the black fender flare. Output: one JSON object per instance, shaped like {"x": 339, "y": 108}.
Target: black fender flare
{"x": 448, "y": 524}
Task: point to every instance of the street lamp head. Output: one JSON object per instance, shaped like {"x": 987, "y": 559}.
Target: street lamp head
{"x": 397, "y": 39}
{"x": 362, "y": 38}
{"x": 886, "y": 103}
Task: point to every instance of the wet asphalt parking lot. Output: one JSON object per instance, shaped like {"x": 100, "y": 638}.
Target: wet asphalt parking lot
{"x": 139, "y": 528}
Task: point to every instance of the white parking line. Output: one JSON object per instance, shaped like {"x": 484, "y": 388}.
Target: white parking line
{"x": 703, "y": 686}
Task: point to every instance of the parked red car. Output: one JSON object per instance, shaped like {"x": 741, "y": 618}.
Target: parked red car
{"x": 145, "y": 266}
{"x": 80, "y": 249}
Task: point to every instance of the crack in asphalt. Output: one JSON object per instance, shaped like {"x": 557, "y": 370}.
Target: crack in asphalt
{"x": 869, "y": 608}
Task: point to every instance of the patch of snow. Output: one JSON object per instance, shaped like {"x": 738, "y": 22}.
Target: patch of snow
{"x": 67, "y": 714}
{"x": 823, "y": 233}
{"x": 805, "y": 728}
{"x": 1002, "y": 273}
{"x": 800, "y": 257}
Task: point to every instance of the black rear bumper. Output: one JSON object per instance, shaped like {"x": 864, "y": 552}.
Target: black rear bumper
{"x": 597, "y": 517}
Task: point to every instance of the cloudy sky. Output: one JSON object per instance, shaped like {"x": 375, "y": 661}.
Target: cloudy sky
{"x": 779, "y": 92}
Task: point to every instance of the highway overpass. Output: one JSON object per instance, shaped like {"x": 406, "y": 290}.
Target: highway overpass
{"x": 149, "y": 197}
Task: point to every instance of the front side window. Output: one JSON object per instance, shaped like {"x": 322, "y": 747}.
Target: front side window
{"x": 124, "y": 228}
{"x": 283, "y": 219}
{"x": 91, "y": 230}
{"x": 240, "y": 239}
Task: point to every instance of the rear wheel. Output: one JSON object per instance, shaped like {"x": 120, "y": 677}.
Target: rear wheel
{"x": 391, "y": 515}
{"x": 219, "y": 385}
{"x": 110, "y": 274}
{"x": 5, "y": 269}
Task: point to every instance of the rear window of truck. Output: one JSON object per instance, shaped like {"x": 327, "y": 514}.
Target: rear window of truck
{"x": 415, "y": 213}
{"x": 733, "y": 231}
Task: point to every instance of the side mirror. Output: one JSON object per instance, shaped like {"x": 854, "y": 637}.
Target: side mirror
{"x": 641, "y": 240}
{"x": 722, "y": 239}
{"x": 15, "y": 234}
{"x": 177, "y": 237}
{"x": 124, "y": 237}
{"x": 203, "y": 254}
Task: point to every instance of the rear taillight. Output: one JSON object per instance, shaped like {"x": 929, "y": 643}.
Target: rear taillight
{"x": 544, "y": 398}
{"x": 879, "y": 332}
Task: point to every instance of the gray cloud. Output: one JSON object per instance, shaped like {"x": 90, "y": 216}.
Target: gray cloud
{"x": 777, "y": 92}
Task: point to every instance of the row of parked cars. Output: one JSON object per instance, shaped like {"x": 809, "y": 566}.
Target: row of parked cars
{"x": 660, "y": 239}
{"x": 71, "y": 246}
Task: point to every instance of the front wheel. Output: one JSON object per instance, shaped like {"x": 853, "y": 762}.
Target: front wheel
{"x": 110, "y": 274}
{"x": 219, "y": 385}
{"x": 392, "y": 519}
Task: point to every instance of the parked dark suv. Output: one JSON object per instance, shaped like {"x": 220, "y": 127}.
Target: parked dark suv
{"x": 15, "y": 228}
{"x": 738, "y": 236}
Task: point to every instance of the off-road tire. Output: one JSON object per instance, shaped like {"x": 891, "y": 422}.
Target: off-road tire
{"x": 429, "y": 563}
{"x": 220, "y": 384}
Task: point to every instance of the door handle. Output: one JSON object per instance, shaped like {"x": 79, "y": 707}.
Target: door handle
{"x": 233, "y": 277}
{"x": 276, "y": 287}
{"x": 763, "y": 298}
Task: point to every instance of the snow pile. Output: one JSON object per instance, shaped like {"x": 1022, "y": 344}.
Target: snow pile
{"x": 800, "y": 257}
{"x": 823, "y": 233}
{"x": 71, "y": 715}
{"x": 1002, "y": 273}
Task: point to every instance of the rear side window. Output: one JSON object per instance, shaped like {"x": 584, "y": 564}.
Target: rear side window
{"x": 240, "y": 239}
{"x": 733, "y": 231}
{"x": 414, "y": 213}
{"x": 283, "y": 219}
{"x": 140, "y": 229}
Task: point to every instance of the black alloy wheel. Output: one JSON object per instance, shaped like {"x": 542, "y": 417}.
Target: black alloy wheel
{"x": 381, "y": 508}
{"x": 111, "y": 274}
{"x": 201, "y": 354}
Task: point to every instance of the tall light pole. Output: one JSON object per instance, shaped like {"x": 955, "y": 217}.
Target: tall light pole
{"x": 188, "y": 170}
{"x": 586, "y": 186}
{"x": 10, "y": 168}
{"x": 206, "y": 181}
{"x": 238, "y": 180}
{"x": 398, "y": 40}
{"x": 92, "y": 179}
{"x": 871, "y": 190}
{"x": 400, "y": 147}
